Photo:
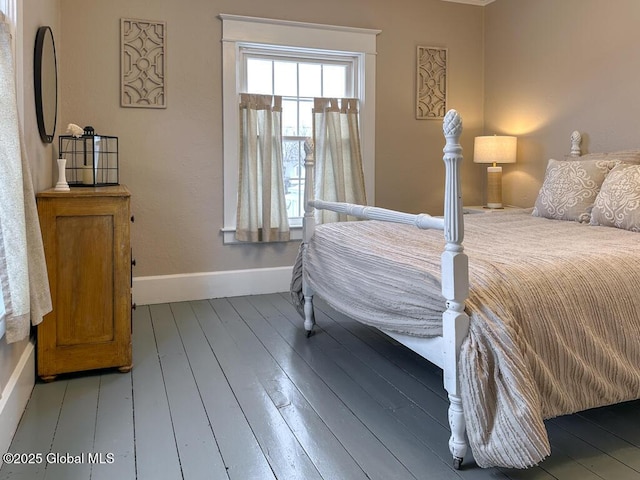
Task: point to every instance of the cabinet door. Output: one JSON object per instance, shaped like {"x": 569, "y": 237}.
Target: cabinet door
{"x": 88, "y": 258}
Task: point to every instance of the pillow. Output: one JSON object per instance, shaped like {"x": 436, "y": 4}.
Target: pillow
{"x": 618, "y": 203}
{"x": 570, "y": 189}
{"x": 624, "y": 156}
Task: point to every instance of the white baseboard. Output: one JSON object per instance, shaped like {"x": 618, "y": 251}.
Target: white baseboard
{"x": 15, "y": 396}
{"x": 201, "y": 286}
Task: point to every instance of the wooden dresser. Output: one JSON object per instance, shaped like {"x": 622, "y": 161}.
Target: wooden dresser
{"x": 86, "y": 234}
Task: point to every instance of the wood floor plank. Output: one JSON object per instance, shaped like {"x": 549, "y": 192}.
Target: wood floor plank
{"x": 156, "y": 451}
{"x": 412, "y": 363}
{"x": 328, "y": 455}
{"x": 114, "y": 428}
{"x": 589, "y": 457}
{"x": 372, "y": 456}
{"x": 197, "y": 447}
{"x": 36, "y": 430}
{"x": 621, "y": 420}
{"x": 286, "y": 457}
{"x": 75, "y": 432}
{"x": 239, "y": 447}
{"x": 602, "y": 439}
{"x": 371, "y": 353}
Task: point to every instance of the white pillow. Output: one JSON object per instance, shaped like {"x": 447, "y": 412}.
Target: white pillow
{"x": 618, "y": 203}
{"x": 570, "y": 189}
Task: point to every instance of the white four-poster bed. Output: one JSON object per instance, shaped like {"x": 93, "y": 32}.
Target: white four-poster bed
{"x": 515, "y": 327}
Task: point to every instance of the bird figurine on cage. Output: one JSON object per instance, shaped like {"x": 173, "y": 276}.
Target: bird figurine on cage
{"x": 75, "y": 130}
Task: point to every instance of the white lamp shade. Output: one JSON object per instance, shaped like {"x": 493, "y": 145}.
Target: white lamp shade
{"x": 495, "y": 149}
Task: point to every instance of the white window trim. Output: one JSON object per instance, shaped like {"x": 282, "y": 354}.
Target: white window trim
{"x": 238, "y": 30}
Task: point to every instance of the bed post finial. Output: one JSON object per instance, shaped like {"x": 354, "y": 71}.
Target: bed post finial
{"x": 453, "y": 225}
{"x": 452, "y": 125}
{"x": 576, "y": 140}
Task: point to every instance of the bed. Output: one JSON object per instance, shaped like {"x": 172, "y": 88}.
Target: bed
{"x": 536, "y": 315}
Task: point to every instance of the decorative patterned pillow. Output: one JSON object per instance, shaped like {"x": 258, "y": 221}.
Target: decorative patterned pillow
{"x": 618, "y": 203}
{"x": 570, "y": 189}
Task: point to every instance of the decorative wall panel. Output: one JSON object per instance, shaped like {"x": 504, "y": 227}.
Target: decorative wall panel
{"x": 431, "y": 83}
{"x": 142, "y": 49}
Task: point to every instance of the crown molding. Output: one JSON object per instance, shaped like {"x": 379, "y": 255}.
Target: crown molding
{"x": 480, "y": 3}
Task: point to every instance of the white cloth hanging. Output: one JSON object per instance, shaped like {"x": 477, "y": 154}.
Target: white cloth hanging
{"x": 262, "y": 211}
{"x": 339, "y": 175}
{"x": 23, "y": 272}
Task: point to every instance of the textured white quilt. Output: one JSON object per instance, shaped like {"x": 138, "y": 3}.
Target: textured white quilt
{"x": 554, "y": 307}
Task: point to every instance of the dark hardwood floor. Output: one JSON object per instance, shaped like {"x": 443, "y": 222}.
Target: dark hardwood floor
{"x": 233, "y": 389}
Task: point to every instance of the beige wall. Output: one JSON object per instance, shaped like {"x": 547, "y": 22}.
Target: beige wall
{"x": 552, "y": 67}
{"x": 171, "y": 159}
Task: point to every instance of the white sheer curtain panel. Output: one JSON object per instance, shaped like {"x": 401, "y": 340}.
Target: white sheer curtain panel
{"x": 339, "y": 175}
{"x": 23, "y": 272}
{"x": 262, "y": 210}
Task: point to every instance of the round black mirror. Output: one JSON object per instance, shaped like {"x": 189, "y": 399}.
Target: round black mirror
{"x": 45, "y": 73}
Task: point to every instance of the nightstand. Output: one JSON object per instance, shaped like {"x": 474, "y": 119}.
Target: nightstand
{"x": 482, "y": 209}
{"x": 87, "y": 245}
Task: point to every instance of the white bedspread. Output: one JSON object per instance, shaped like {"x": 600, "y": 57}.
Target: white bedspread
{"x": 554, "y": 307}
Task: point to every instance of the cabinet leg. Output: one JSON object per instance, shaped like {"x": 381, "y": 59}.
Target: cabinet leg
{"x": 125, "y": 369}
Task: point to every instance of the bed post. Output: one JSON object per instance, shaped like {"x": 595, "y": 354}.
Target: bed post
{"x": 308, "y": 227}
{"x": 455, "y": 283}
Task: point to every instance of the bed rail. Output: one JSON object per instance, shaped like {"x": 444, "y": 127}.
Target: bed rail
{"x": 421, "y": 220}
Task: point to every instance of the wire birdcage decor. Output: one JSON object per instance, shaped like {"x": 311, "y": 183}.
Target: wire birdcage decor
{"x": 92, "y": 160}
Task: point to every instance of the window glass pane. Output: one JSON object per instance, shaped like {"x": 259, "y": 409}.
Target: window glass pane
{"x": 306, "y": 118}
{"x": 310, "y": 80}
{"x": 334, "y": 81}
{"x": 259, "y": 76}
{"x": 289, "y": 117}
{"x": 286, "y": 78}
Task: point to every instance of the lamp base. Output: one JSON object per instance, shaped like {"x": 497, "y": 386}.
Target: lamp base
{"x": 494, "y": 187}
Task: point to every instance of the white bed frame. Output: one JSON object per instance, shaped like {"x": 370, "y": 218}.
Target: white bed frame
{"x": 442, "y": 351}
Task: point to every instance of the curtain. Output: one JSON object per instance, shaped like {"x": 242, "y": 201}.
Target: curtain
{"x": 262, "y": 212}
{"x": 339, "y": 176}
{"x": 23, "y": 272}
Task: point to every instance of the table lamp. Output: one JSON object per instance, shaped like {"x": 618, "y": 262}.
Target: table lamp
{"x": 494, "y": 149}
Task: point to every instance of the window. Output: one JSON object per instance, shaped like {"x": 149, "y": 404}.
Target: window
{"x": 298, "y": 61}
{"x": 298, "y": 78}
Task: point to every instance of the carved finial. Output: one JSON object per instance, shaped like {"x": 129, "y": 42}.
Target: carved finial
{"x": 576, "y": 140}
{"x": 308, "y": 145}
{"x": 452, "y": 123}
